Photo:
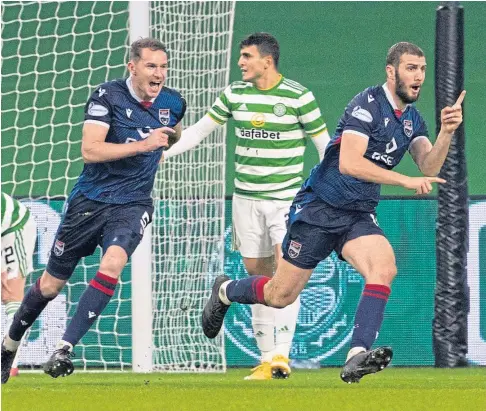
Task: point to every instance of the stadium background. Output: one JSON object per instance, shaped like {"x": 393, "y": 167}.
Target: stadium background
{"x": 335, "y": 71}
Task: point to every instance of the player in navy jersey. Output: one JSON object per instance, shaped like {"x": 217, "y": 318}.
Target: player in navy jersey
{"x": 127, "y": 125}
{"x": 335, "y": 208}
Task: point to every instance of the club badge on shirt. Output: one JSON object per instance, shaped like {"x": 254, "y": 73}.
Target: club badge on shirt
{"x": 408, "y": 128}
{"x": 164, "y": 116}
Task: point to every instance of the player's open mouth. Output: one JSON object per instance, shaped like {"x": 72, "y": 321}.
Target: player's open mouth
{"x": 154, "y": 86}
{"x": 416, "y": 88}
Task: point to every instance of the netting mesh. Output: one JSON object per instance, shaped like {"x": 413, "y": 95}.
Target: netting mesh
{"x": 189, "y": 219}
{"x": 53, "y": 56}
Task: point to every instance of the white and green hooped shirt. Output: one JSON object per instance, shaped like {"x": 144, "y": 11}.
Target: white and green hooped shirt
{"x": 14, "y": 214}
{"x": 271, "y": 126}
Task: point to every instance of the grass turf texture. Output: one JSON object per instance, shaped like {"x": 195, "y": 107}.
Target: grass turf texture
{"x": 409, "y": 389}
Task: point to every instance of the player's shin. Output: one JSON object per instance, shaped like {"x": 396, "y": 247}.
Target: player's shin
{"x": 91, "y": 304}
{"x": 32, "y": 306}
{"x": 285, "y": 323}
{"x": 246, "y": 291}
{"x": 263, "y": 321}
{"x": 10, "y": 309}
{"x": 369, "y": 316}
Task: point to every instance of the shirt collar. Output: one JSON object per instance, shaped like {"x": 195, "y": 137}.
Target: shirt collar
{"x": 390, "y": 98}
{"x": 132, "y": 91}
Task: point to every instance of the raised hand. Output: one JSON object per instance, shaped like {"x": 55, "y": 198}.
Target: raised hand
{"x": 451, "y": 117}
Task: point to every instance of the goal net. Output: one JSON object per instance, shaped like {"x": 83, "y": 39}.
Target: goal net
{"x": 54, "y": 54}
{"x": 188, "y": 231}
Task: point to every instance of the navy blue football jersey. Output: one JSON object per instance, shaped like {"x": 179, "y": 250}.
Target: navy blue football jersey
{"x": 371, "y": 115}
{"x": 116, "y": 106}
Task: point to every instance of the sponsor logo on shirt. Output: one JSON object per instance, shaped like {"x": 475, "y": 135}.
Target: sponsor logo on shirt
{"x": 391, "y": 146}
{"x": 362, "y": 114}
{"x": 97, "y": 110}
{"x": 259, "y": 134}
{"x": 258, "y": 120}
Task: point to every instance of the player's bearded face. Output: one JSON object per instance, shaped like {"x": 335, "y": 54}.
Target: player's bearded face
{"x": 149, "y": 73}
{"x": 409, "y": 78}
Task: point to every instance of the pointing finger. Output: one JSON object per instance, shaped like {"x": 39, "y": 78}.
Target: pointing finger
{"x": 459, "y": 100}
{"x": 436, "y": 180}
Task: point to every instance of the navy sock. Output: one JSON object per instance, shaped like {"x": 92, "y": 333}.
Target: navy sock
{"x": 32, "y": 306}
{"x": 248, "y": 290}
{"x": 369, "y": 315}
{"x": 90, "y": 306}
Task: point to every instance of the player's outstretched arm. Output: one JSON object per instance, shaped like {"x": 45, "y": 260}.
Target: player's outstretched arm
{"x": 95, "y": 149}
{"x": 430, "y": 158}
{"x": 321, "y": 141}
{"x": 192, "y": 136}
{"x": 352, "y": 162}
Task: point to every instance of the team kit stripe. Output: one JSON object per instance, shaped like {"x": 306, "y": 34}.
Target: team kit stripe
{"x": 20, "y": 252}
{"x": 268, "y": 162}
{"x": 14, "y": 214}
{"x": 269, "y": 152}
{"x": 4, "y": 203}
{"x": 271, "y": 127}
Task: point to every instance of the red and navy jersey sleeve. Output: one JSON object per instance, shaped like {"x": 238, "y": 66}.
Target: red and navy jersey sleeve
{"x": 99, "y": 109}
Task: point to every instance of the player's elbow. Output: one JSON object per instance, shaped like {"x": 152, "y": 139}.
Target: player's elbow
{"x": 87, "y": 154}
{"x": 345, "y": 166}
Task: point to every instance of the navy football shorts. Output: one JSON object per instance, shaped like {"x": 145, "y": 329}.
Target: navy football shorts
{"x": 87, "y": 223}
{"x": 315, "y": 229}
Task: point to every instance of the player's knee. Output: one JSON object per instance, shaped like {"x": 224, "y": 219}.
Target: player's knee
{"x": 386, "y": 274}
{"x": 50, "y": 286}
{"x": 113, "y": 261}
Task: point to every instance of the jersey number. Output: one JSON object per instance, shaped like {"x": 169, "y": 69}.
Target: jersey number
{"x": 9, "y": 255}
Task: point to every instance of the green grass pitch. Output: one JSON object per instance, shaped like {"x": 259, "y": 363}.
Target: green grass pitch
{"x": 410, "y": 389}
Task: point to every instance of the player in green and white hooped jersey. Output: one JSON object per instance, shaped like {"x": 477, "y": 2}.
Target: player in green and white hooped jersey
{"x": 19, "y": 233}
{"x": 273, "y": 118}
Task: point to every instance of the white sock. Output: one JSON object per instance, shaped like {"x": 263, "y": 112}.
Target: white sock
{"x": 62, "y": 344}
{"x": 10, "y": 309}
{"x": 285, "y": 322}
{"x": 353, "y": 351}
{"x": 263, "y": 321}
{"x": 222, "y": 293}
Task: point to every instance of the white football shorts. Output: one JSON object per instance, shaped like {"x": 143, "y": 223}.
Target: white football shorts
{"x": 258, "y": 225}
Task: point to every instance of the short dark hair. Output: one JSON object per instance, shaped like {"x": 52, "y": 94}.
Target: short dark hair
{"x": 267, "y": 45}
{"x": 145, "y": 43}
{"x": 398, "y": 50}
